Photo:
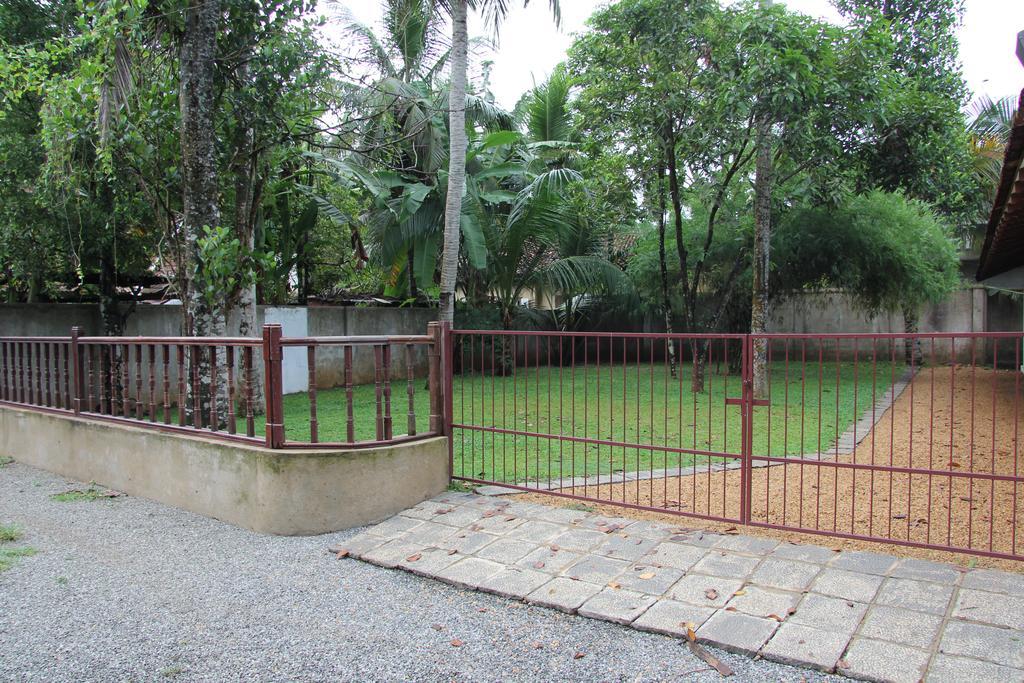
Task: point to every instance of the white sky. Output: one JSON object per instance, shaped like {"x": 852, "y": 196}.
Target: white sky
{"x": 531, "y": 46}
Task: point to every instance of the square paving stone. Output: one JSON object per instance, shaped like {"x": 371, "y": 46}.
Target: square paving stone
{"x": 500, "y": 523}
{"x": 701, "y": 539}
{"x": 925, "y": 570}
{"x": 514, "y": 582}
{"x": 806, "y": 646}
{"x": 467, "y": 542}
{"x": 804, "y": 553}
{"x": 764, "y": 602}
{"x": 726, "y": 564}
{"x": 749, "y": 545}
{"x": 898, "y": 625}
{"x": 390, "y": 554}
{"x": 607, "y": 524}
{"x": 394, "y": 527}
{"x": 549, "y": 561}
{"x": 563, "y": 516}
{"x": 653, "y": 530}
{"x": 920, "y": 596}
{"x": 678, "y": 555}
{"x": 428, "y": 561}
{"x": 425, "y": 510}
{"x": 597, "y": 569}
{"x": 877, "y": 660}
{"x": 840, "y": 583}
{"x": 563, "y": 594}
{"x": 536, "y": 531}
{"x": 785, "y": 574}
{"x": 624, "y": 547}
{"x": 507, "y": 550}
{"x": 579, "y": 540}
{"x": 829, "y": 614}
{"x": 469, "y": 572}
{"x": 359, "y": 545}
{"x": 705, "y": 591}
{"x": 948, "y": 669}
{"x": 457, "y": 498}
{"x": 997, "y": 645}
{"x": 672, "y": 618}
{"x": 429, "y": 534}
{"x": 737, "y": 632}
{"x": 991, "y": 608}
{"x": 620, "y": 606}
{"x": 460, "y": 516}
{"x": 863, "y": 561}
{"x": 647, "y": 579}
{"x": 995, "y": 581}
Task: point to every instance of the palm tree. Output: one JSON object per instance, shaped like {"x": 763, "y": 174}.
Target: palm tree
{"x": 495, "y": 12}
{"x": 989, "y": 131}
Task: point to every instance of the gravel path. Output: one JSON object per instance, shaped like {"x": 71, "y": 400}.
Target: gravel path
{"x": 127, "y": 589}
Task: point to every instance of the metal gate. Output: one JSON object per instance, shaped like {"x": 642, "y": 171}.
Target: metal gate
{"x": 906, "y": 439}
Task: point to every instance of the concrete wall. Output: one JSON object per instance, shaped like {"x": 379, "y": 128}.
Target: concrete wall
{"x": 269, "y": 491}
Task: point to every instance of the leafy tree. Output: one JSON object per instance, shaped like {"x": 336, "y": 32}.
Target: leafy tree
{"x": 989, "y": 133}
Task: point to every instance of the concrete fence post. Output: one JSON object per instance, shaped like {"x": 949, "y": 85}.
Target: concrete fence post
{"x": 434, "y": 383}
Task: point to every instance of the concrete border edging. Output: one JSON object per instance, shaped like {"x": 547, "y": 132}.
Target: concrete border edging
{"x": 292, "y": 492}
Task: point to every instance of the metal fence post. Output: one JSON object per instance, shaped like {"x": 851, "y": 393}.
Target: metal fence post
{"x": 434, "y": 383}
{"x": 76, "y": 370}
{"x": 273, "y": 383}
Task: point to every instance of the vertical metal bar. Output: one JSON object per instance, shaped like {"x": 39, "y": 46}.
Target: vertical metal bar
{"x": 165, "y": 356}
{"x": 436, "y": 424}
{"x": 410, "y": 390}
{"x": 151, "y": 358}
{"x": 39, "y": 373}
{"x": 182, "y": 385}
{"x": 125, "y": 381}
{"x": 314, "y": 428}
{"x": 76, "y": 370}
{"x": 47, "y": 375}
{"x": 349, "y": 419}
{"x": 378, "y": 389}
{"x": 5, "y": 374}
{"x": 272, "y": 357}
{"x": 139, "y": 403}
{"x": 247, "y": 378}
{"x": 214, "y": 424}
{"x": 386, "y": 358}
{"x": 197, "y": 404}
{"x": 230, "y": 361}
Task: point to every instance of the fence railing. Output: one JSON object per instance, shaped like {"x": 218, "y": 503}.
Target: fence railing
{"x": 234, "y": 388}
{"x": 909, "y": 439}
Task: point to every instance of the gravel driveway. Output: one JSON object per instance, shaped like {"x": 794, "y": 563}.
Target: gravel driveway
{"x": 127, "y": 589}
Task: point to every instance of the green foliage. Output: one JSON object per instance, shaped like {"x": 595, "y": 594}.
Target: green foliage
{"x": 9, "y": 533}
{"x": 886, "y": 250}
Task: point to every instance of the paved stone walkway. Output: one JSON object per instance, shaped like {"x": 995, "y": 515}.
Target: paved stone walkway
{"x": 861, "y": 614}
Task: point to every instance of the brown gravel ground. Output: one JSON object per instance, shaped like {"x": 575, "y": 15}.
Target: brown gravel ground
{"x": 944, "y": 508}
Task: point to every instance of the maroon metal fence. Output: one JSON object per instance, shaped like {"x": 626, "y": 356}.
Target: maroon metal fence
{"x": 231, "y": 388}
{"x": 906, "y": 439}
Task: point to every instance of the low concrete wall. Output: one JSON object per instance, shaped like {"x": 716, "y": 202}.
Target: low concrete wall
{"x": 293, "y": 492}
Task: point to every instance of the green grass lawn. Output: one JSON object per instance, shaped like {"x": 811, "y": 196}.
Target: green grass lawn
{"x": 638, "y": 403}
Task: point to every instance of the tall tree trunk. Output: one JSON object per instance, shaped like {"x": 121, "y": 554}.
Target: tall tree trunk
{"x": 411, "y": 268}
{"x": 456, "y": 161}
{"x": 666, "y": 304}
{"x": 912, "y": 353}
{"x": 762, "y": 254}
{"x": 199, "y": 169}
{"x": 689, "y": 314}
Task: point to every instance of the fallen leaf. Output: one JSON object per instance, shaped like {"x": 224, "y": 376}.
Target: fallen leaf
{"x": 711, "y": 594}
{"x": 614, "y": 585}
{"x": 538, "y": 565}
{"x": 648, "y": 575}
{"x": 579, "y": 655}
{"x": 437, "y": 627}
{"x": 537, "y": 645}
{"x": 741, "y": 591}
{"x": 691, "y": 634}
{"x": 730, "y": 609}
{"x": 776, "y": 617}
{"x": 554, "y": 548}
{"x": 452, "y": 551}
{"x": 342, "y": 553}
{"x": 413, "y": 558}
{"x": 843, "y": 664}
{"x": 710, "y": 659}
{"x": 482, "y": 609}
{"x": 457, "y": 643}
